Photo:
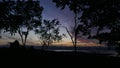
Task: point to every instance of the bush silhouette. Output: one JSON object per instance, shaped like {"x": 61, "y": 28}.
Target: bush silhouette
{"x": 14, "y": 44}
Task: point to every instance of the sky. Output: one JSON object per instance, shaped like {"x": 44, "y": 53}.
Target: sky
{"x": 50, "y": 12}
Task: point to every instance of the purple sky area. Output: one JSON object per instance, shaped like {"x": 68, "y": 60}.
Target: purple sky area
{"x": 50, "y": 12}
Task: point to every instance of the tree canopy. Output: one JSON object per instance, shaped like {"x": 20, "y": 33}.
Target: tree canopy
{"x": 49, "y": 32}
{"x": 100, "y": 15}
{"x": 74, "y": 6}
{"x": 20, "y": 17}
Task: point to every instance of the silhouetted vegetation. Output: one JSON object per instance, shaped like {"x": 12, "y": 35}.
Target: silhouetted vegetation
{"x": 49, "y": 32}
{"x": 14, "y": 44}
{"x": 97, "y": 18}
{"x": 73, "y": 6}
{"x": 20, "y": 17}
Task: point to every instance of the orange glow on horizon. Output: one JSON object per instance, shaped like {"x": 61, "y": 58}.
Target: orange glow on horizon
{"x": 78, "y": 44}
{"x": 65, "y": 42}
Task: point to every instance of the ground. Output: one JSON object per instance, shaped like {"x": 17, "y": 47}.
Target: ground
{"x": 45, "y": 58}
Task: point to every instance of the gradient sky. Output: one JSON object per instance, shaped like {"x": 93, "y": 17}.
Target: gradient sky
{"x": 66, "y": 18}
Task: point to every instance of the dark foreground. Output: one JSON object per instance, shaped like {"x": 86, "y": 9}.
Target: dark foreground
{"x": 44, "y": 58}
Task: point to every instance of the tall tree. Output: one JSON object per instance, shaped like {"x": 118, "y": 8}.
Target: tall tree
{"x": 31, "y": 11}
{"x": 75, "y": 7}
{"x": 103, "y": 15}
{"x": 99, "y": 19}
{"x": 49, "y": 32}
{"x": 21, "y": 17}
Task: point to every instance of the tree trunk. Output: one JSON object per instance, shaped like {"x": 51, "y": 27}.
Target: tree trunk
{"x": 26, "y": 35}
{"x": 19, "y": 32}
{"x": 23, "y": 38}
{"x": 75, "y": 35}
{"x": 70, "y": 36}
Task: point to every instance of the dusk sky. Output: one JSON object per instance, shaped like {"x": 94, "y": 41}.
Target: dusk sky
{"x": 50, "y": 12}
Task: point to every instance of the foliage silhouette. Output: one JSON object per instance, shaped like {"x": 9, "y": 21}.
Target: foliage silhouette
{"x": 73, "y": 6}
{"x": 14, "y": 44}
{"x": 49, "y": 32}
{"x": 20, "y": 17}
{"x": 103, "y": 15}
{"x": 4, "y": 11}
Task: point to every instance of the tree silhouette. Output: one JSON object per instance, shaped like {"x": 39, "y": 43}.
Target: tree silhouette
{"x": 20, "y": 17}
{"x": 49, "y": 32}
{"x": 75, "y": 7}
{"x": 99, "y": 19}
{"x": 103, "y": 15}
{"x": 31, "y": 18}
{"x": 4, "y": 13}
